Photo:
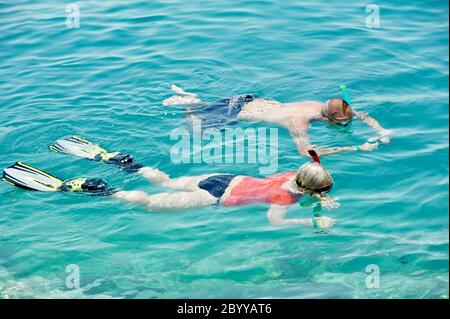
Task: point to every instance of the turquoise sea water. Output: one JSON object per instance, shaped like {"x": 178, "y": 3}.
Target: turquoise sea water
{"x": 106, "y": 80}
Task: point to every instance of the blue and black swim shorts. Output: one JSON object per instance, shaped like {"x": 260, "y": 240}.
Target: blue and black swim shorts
{"x": 222, "y": 113}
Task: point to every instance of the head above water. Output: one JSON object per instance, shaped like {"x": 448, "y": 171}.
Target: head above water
{"x": 313, "y": 178}
{"x": 337, "y": 111}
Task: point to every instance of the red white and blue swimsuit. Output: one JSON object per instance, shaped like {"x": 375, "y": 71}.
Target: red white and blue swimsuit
{"x": 251, "y": 190}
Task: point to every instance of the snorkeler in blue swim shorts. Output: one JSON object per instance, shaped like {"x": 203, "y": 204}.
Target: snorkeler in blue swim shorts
{"x": 296, "y": 117}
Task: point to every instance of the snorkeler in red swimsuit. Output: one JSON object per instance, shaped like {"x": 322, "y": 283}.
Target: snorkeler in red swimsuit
{"x": 279, "y": 191}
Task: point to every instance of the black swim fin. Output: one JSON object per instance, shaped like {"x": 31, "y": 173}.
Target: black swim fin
{"x": 30, "y": 178}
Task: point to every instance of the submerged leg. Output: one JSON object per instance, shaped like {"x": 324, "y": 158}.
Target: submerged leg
{"x": 168, "y": 201}
{"x": 154, "y": 175}
{"x": 181, "y": 97}
{"x": 187, "y": 183}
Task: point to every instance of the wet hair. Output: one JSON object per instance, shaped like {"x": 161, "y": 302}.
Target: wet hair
{"x": 314, "y": 177}
{"x": 337, "y": 110}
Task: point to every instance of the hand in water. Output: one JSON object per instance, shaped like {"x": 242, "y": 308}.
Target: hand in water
{"x": 384, "y": 136}
{"x": 385, "y": 140}
{"x": 369, "y": 146}
{"x": 384, "y": 132}
{"x": 324, "y": 222}
{"x": 329, "y": 203}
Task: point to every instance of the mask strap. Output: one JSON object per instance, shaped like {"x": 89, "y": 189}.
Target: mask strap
{"x": 325, "y": 108}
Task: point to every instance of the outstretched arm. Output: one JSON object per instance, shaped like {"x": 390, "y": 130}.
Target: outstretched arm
{"x": 384, "y": 134}
{"x": 339, "y": 149}
{"x": 298, "y": 130}
{"x": 363, "y": 116}
{"x": 277, "y": 217}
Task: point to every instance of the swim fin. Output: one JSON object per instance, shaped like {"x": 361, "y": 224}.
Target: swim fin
{"x": 80, "y": 147}
{"x": 27, "y": 177}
